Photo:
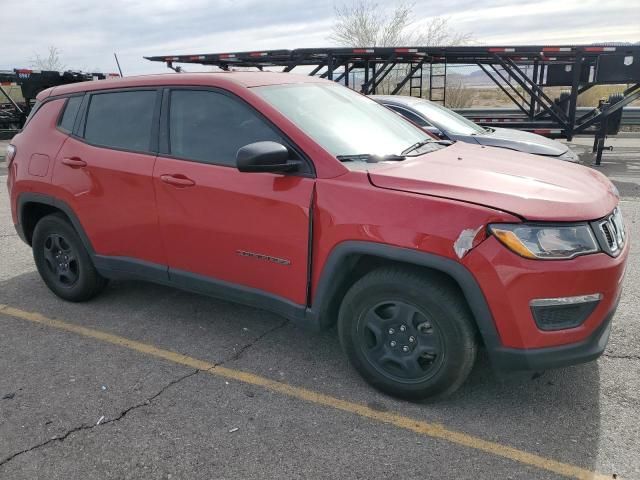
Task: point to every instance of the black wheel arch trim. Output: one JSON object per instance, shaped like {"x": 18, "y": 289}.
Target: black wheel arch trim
{"x": 30, "y": 197}
{"x": 337, "y": 265}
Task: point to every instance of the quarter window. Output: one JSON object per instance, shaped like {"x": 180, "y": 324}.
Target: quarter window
{"x": 70, "y": 113}
{"x": 121, "y": 120}
{"x": 32, "y": 112}
{"x": 210, "y": 127}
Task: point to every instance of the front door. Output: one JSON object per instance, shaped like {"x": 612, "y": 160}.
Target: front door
{"x": 245, "y": 229}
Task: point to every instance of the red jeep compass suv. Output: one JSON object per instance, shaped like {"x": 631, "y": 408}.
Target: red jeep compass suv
{"x": 300, "y": 196}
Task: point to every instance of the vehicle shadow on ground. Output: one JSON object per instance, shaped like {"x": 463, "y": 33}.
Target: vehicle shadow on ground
{"x": 555, "y": 414}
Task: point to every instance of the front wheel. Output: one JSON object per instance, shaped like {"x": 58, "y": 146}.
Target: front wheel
{"x": 408, "y": 333}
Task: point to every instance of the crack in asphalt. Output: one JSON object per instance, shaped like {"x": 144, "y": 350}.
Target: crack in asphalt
{"x": 122, "y": 414}
{"x": 622, "y": 357}
{"x": 146, "y": 402}
{"x": 243, "y": 349}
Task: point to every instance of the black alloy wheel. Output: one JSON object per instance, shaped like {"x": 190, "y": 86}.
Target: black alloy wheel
{"x": 401, "y": 341}
{"x": 408, "y": 332}
{"x": 61, "y": 260}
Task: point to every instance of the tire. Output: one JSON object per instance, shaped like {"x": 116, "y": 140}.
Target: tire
{"x": 408, "y": 333}
{"x": 63, "y": 261}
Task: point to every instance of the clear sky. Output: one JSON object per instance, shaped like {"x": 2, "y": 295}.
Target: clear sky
{"x": 88, "y": 31}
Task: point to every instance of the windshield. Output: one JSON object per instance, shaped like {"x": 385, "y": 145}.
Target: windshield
{"x": 342, "y": 121}
{"x": 447, "y": 120}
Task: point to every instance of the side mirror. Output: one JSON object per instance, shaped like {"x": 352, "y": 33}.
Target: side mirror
{"x": 265, "y": 157}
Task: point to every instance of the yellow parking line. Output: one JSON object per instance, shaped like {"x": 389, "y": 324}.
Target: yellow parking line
{"x": 429, "y": 429}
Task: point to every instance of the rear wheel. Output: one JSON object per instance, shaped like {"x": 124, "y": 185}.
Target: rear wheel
{"x": 408, "y": 334}
{"x": 63, "y": 261}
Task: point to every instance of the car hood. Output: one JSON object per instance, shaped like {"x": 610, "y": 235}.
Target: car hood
{"x": 532, "y": 187}
{"x": 522, "y": 141}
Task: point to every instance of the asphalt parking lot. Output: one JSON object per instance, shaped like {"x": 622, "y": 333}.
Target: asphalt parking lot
{"x": 150, "y": 382}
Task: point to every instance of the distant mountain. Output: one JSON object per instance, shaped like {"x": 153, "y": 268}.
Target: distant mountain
{"x": 475, "y": 78}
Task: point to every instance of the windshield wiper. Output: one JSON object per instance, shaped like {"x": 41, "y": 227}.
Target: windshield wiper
{"x": 424, "y": 142}
{"x": 416, "y": 146}
{"x": 370, "y": 158}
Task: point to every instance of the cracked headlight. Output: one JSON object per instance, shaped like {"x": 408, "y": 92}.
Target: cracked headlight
{"x": 551, "y": 242}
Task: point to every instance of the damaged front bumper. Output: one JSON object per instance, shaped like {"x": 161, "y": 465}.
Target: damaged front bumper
{"x": 589, "y": 349}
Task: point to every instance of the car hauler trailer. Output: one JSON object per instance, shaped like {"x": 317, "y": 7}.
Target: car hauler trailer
{"x": 31, "y": 82}
{"x": 12, "y": 114}
{"x": 521, "y": 72}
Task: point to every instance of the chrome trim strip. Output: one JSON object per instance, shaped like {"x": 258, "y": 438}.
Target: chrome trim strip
{"x": 559, "y": 301}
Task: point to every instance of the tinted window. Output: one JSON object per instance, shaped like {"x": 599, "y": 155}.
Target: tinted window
{"x": 447, "y": 120}
{"x": 70, "y": 113}
{"x": 410, "y": 115}
{"x": 121, "y": 119}
{"x": 210, "y": 127}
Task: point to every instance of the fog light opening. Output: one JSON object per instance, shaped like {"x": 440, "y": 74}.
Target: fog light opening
{"x": 563, "y": 312}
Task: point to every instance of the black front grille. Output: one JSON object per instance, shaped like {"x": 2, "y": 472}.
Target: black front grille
{"x": 610, "y": 233}
{"x": 607, "y": 233}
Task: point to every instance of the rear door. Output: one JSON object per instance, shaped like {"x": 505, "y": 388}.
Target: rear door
{"x": 247, "y": 229}
{"x": 105, "y": 170}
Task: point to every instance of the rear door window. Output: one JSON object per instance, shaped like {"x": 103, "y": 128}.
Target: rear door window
{"x": 210, "y": 127}
{"x": 121, "y": 120}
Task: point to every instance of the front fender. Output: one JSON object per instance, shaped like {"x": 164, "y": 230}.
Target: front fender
{"x": 338, "y": 265}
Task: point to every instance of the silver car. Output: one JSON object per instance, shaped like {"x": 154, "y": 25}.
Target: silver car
{"x": 449, "y": 125}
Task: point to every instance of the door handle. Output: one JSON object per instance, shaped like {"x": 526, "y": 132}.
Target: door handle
{"x": 177, "y": 180}
{"x": 74, "y": 162}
